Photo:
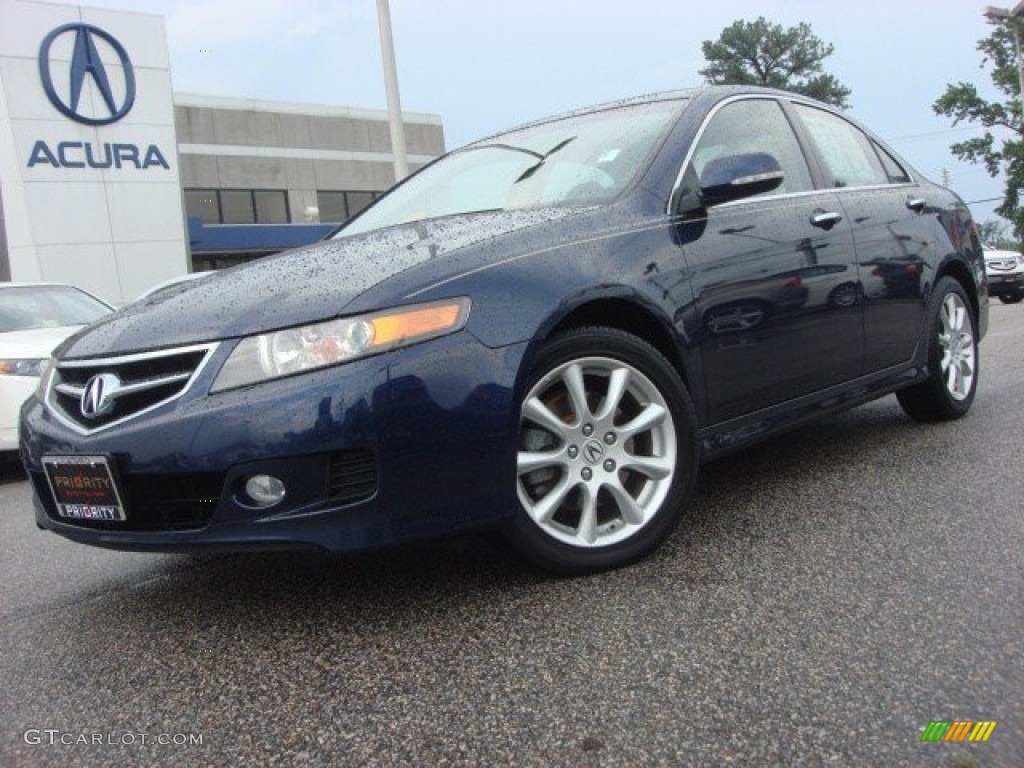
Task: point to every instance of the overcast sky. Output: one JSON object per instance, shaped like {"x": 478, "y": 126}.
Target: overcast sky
{"x": 484, "y": 66}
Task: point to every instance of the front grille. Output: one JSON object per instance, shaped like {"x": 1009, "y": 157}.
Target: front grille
{"x": 1003, "y": 265}
{"x": 351, "y": 476}
{"x": 152, "y": 502}
{"x": 90, "y": 395}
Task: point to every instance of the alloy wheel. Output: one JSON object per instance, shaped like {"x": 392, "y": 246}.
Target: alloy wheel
{"x": 956, "y": 342}
{"x": 597, "y": 452}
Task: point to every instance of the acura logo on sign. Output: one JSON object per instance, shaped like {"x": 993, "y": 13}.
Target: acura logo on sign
{"x": 100, "y": 393}
{"x": 87, "y": 64}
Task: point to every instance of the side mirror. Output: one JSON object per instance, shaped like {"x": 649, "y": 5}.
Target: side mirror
{"x": 737, "y": 176}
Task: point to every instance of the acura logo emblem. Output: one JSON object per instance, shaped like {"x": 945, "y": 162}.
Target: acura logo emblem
{"x": 593, "y": 451}
{"x": 86, "y": 62}
{"x": 100, "y": 393}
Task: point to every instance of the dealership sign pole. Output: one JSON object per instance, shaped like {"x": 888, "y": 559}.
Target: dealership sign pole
{"x": 387, "y": 50}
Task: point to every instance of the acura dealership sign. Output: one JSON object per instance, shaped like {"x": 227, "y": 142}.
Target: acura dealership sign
{"x": 114, "y": 90}
{"x": 90, "y": 183}
{"x": 87, "y": 62}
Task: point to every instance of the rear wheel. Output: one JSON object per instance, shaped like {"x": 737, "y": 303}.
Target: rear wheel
{"x": 607, "y": 452}
{"x": 1014, "y": 299}
{"x": 952, "y": 358}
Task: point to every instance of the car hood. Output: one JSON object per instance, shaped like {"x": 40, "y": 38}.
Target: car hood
{"x": 301, "y": 286}
{"x": 35, "y": 344}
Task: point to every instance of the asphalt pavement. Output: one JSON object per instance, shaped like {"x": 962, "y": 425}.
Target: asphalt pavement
{"x": 834, "y": 592}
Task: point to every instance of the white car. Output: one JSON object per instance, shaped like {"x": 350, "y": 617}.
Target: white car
{"x": 35, "y": 318}
{"x": 1005, "y": 272}
{"x": 172, "y": 283}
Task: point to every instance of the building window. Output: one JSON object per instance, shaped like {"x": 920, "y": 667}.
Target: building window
{"x": 338, "y": 207}
{"x": 203, "y": 205}
{"x": 238, "y": 206}
{"x": 271, "y": 206}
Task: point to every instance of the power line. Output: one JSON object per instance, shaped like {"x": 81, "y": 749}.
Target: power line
{"x": 931, "y": 134}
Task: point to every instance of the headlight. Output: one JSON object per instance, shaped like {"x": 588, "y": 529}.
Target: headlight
{"x": 47, "y": 370}
{"x": 309, "y": 347}
{"x": 29, "y": 367}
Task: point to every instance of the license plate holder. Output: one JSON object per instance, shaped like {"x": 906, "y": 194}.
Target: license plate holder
{"x": 84, "y": 488}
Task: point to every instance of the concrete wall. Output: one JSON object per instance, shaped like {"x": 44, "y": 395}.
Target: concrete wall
{"x": 229, "y": 143}
{"x": 114, "y": 231}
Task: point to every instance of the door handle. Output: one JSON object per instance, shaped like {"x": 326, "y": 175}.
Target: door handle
{"x": 825, "y": 219}
{"x": 916, "y": 204}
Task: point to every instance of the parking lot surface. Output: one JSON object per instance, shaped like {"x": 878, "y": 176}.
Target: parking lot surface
{"x": 834, "y": 591}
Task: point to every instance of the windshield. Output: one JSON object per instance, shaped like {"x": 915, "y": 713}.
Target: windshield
{"x": 585, "y": 160}
{"x": 25, "y": 308}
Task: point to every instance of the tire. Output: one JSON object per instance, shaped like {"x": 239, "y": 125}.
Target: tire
{"x": 952, "y": 380}
{"x": 607, "y": 453}
{"x": 1015, "y": 299}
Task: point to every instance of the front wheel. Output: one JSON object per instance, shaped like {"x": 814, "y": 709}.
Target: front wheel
{"x": 607, "y": 452}
{"x": 952, "y": 380}
{"x": 1014, "y": 299}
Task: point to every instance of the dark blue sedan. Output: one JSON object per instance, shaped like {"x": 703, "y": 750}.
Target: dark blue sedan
{"x": 545, "y": 332}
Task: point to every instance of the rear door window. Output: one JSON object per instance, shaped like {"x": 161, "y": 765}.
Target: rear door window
{"x": 849, "y": 158}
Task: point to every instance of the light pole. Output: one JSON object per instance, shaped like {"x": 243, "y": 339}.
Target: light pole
{"x": 1012, "y": 17}
{"x": 387, "y": 52}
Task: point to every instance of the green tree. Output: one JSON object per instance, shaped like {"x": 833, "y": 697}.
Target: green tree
{"x": 762, "y": 53}
{"x": 962, "y": 102}
{"x": 994, "y": 235}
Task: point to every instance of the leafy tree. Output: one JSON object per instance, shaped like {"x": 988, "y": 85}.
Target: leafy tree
{"x": 762, "y": 53}
{"x": 993, "y": 234}
{"x": 991, "y": 231}
{"x": 962, "y": 102}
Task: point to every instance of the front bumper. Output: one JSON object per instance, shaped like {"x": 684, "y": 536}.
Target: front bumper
{"x": 1006, "y": 285}
{"x": 412, "y": 443}
{"x": 14, "y": 390}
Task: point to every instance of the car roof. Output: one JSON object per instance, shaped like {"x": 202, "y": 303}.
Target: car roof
{"x": 650, "y": 98}
{"x": 713, "y": 91}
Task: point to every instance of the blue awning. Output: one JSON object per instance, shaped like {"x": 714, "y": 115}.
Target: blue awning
{"x": 252, "y": 238}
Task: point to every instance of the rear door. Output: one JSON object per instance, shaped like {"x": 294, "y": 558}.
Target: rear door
{"x": 776, "y": 313}
{"x": 893, "y": 230}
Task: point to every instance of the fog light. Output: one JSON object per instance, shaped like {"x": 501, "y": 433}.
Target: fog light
{"x": 264, "y": 490}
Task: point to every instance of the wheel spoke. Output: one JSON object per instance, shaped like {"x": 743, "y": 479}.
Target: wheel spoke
{"x": 654, "y": 467}
{"x": 587, "y": 530}
{"x": 631, "y": 511}
{"x": 948, "y": 314}
{"x": 617, "y": 385}
{"x": 959, "y": 316}
{"x": 574, "y": 383}
{"x": 545, "y": 508}
{"x": 528, "y": 461}
{"x": 650, "y": 417}
{"x": 953, "y": 379}
{"x": 536, "y": 411}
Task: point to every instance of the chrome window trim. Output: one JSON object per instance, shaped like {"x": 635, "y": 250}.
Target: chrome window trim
{"x": 914, "y": 181}
{"x": 55, "y": 410}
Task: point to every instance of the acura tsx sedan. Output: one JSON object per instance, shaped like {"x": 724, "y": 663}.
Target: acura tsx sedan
{"x": 545, "y": 333}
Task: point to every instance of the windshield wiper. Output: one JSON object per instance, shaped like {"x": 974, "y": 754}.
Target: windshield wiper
{"x": 543, "y": 158}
